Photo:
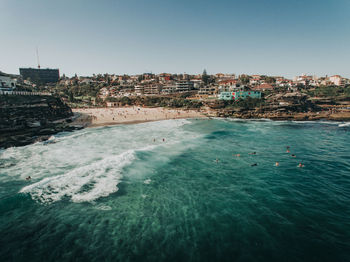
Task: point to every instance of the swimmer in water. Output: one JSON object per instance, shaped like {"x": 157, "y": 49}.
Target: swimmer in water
{"x": 300, "y": 165}
{"x": 163, "y": 140}
{"x": 294, "y": 155}
{"x": 217, "y": 160}
{"x": 237, "y": 155}
{"x": 277, "y": 164}
{"x": 154, "y": 140}
{"x": 254, "y": 153}
{"x": 28, "y": 178}
{"x": 288, "y": 151}
{"x": 254, "y": 164}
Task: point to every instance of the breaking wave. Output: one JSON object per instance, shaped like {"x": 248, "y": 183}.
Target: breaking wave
{"x": 85, "y": 183}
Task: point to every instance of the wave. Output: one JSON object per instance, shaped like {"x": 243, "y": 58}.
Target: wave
{"x": 344, "y": 124}
{"x": 83, "y": 184}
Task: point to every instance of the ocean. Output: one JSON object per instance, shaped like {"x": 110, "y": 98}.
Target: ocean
{"x": 176, "y": 190}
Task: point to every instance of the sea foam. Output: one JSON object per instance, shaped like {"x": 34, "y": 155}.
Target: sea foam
{"x": 85, "y": 183}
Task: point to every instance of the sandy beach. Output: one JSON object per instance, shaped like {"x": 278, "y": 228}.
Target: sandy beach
{"x": 91, "y": 117}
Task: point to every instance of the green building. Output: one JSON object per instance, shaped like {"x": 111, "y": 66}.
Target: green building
{"x": 239, "y": 95}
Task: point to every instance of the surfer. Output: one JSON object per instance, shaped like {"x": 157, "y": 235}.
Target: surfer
{"x": 28, "y": 178}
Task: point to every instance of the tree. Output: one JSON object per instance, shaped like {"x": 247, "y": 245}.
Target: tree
{"x": 244, "y": 79}
{"x": 70, "y": 96}
{"x": 205, "y": 77}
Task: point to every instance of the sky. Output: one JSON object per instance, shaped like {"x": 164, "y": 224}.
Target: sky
{"x": 83, "y": 37}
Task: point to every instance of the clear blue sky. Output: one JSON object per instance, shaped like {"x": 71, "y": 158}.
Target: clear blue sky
{"x": 273, "y": 37}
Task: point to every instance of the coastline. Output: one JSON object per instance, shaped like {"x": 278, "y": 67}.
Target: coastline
{"x": 95, "y": 117}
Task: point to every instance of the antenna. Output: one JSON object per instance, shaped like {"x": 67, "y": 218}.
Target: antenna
{"x": 37, "y": 57}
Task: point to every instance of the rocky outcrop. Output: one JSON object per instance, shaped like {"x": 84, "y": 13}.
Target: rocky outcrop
{"x": 286, "y": 106}
{"x": 27, "y": 119}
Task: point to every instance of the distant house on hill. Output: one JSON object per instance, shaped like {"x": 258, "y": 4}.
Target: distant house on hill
{"x": 263, "y": 87}
{"x": 239, "y": 95}
{"x": 336, "y": 80}
{"x": 6, "y": 82}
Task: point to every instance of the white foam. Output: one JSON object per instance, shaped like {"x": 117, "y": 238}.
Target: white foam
{"x": 88, "y": 164}
{"x": 103, "y": 207}
{"x": 101, "y": 179}
{"x": 344, "y": 124}
{"x": 147, "y": 181}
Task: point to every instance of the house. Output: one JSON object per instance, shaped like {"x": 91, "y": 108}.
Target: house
{"x": 336, "y": 80}
{"x": 263, "y": 87}
{"x": 184, "y": 86}
{"x": 239, "y": 95}
{"x": 228, "y": 85}
{"x": 6, "y": 82}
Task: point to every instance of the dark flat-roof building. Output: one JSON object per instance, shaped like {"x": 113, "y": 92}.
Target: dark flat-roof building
{"x": 40, "y": 76}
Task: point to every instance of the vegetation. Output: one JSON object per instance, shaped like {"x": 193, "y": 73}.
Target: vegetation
{"x": 268, "y": 79}
{"x": 205, "y": 77}
{"x": 157, "y": 101}
{"x": 330, "y": 91}
{"x": 248, "y": 103}
{"x": 244, "y": 79}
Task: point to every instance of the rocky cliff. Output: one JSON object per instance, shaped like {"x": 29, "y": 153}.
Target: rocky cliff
{"x": 26, "y": 119}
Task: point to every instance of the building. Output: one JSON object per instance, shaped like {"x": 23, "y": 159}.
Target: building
{"x": 152, "y": 89}
{"x": 206, "y": 90}
{"x": 169, "y": 89}
{"x": 6, "y": 82}
{"x": 139, "y": 90}
{"x": 184, "y": 86}
{"x": 239, "y": 95}
{"x": 228, "y": 85}
{"x": 263, "y": 87}
{"x": 336, "y": 80}
{"x": 40, "y": 76}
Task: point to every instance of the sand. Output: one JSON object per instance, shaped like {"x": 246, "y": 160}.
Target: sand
{"x": 91, "y": 117}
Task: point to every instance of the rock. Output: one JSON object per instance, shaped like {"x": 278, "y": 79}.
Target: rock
{"x": 28, "y": 119}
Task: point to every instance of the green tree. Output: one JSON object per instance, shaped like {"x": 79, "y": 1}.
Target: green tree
{"x": 205, "y": 77}
{"x": 244, "y": 79}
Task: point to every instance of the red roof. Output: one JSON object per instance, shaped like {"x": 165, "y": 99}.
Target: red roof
{"x": 228, "y": 81}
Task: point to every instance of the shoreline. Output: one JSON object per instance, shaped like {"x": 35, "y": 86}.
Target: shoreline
{"x": 97, "y": 117}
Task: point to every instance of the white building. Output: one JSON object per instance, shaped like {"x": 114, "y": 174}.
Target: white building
{"x": 184, "y": 86}
{"x": 6, "y": 82}
{"x": 336, "y": 80}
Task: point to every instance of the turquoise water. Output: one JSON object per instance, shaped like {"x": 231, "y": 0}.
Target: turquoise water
{"x": 113, "y": 194}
